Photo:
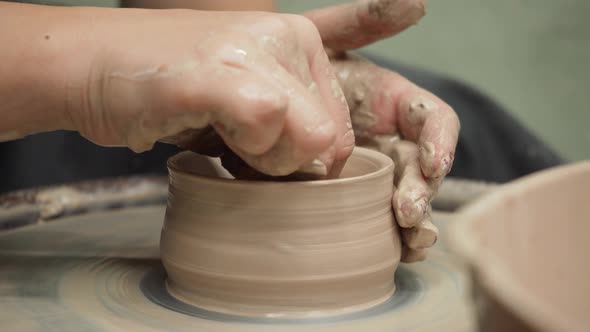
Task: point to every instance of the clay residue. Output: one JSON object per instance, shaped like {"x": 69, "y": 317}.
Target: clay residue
{"x": 62, "y": 200}
{"x": 157, "y": 72}
{"x": 393, "y": 14}
{"x": 143, "y": 132}
{"x": 356, "y": 90}
{"x": 361, "y": 112}
{"x": 420, "y": 108}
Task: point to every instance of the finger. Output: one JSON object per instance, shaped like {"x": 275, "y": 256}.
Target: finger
{"x": 332, "y": 98}
{"x": 412, "y": 197}
{"x": 383, "y": 102}
{"x": 423, "y": 235}
{"x": 307, "y": 128}
{"x": 433, "y": 124}
{"x": 308, "y": 131}
{"x": 410, "y": 255}
{"x": 357, "y": 24}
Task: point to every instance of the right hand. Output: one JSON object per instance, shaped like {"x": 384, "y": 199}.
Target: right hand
{"x": 261, "y": 81}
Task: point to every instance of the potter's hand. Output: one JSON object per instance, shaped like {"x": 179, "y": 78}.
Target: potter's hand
{"x": 385, "y": 105}
{"x": 261, "y": 81}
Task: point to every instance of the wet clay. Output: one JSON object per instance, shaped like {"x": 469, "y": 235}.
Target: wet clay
{"x": 282, "y": 249}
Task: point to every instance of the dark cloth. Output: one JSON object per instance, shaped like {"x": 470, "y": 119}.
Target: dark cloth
{"x": 492, "y": 146}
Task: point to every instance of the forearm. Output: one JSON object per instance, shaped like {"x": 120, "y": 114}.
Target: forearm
{"x": 40, "y": 55}
{"x": 235, "y": 5}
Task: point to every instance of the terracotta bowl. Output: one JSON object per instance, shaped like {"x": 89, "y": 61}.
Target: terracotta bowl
{"x": 527, "y": 245}
{"x": 281, "y": 249}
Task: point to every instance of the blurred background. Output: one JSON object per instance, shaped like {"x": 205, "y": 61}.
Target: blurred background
{"x": 531, "y": 56}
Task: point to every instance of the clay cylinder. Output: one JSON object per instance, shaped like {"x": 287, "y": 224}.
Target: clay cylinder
{"x": 282, "y": 249}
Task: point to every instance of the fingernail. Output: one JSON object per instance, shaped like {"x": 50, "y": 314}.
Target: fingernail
{"x": 315, "y": 167}
{"x": 427, "y": 152}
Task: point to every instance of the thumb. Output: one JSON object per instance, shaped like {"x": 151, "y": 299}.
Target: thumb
{"x": 363, "y": 22}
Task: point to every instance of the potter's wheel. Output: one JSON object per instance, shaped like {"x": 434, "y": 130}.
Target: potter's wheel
{"x": 97, "y": 269}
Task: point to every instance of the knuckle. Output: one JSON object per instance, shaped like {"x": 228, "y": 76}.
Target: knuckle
{"x": 179, "y": 101}
{"x": 324, "y": 135}
{"x": 266, "y": 106}
{"x": 271, "y": 105}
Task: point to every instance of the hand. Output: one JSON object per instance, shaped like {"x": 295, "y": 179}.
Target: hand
{"x": 260, "y": 81}
{"x": 385, "y": 105}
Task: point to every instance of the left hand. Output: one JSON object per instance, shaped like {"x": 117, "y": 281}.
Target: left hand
{"x": 383, "y": 105}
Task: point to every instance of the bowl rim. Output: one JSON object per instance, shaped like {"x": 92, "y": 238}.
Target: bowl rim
{"x": 491, "y": 272}
{"x": 385, "y": 165}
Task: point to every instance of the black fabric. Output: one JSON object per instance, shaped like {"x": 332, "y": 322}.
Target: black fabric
{"x": 492, "y": 145}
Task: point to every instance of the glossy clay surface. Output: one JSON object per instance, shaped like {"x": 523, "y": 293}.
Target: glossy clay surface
{"x": 528, "y": 245}
{"x": 288, "y": 249}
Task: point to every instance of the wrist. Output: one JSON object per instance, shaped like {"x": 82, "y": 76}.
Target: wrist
{"x": 47, "y": 58}
{"x": 100, "y": 87}
{"x": 78, "y": 63}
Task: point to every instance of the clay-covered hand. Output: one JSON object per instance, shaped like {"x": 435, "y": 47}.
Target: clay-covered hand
{"x": 261, "y": 81}
{"x": 385, "y": 106}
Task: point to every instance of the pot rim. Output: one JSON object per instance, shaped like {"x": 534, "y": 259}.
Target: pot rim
{"x": 383, "y": 163}
{"x": 491, "y": 271}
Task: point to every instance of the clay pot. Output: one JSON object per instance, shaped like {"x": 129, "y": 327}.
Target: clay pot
{"x": 282, "y": 249}
{"x": 527, "y": 244}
